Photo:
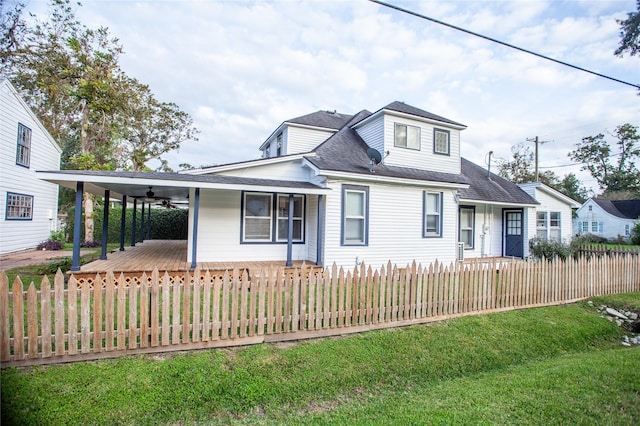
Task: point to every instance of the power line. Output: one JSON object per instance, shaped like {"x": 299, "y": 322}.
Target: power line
{"x": 501, "y": 42}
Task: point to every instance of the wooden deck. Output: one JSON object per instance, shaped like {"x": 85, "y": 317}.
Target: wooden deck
{"x": 166, "y": 255}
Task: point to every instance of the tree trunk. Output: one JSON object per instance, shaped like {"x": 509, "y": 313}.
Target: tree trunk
{"x": 88, "y": 218}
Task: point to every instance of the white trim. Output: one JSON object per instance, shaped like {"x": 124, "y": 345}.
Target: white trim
{"x": 552, "y": 192}
{"x": 385, "y": 179}
{"x": 495, "y": 203}
{"x": 407, "y": 116}
{"x": 69, "y": 181}
{"x": 247, "y": 164}
{"x": 290, "y": 124}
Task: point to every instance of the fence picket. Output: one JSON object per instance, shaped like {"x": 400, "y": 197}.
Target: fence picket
{"x": 137, "y": 313}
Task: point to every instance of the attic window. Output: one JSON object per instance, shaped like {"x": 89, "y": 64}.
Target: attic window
{"x": 23, "y": 152}
{"x": 441, "y": 143}
{"x": 279, "y": 145}
{"x": 407, "y": 136}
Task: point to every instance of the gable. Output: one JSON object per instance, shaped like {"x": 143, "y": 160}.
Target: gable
{"x": 486, "y": 186}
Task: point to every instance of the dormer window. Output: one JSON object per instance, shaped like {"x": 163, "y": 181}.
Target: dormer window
{"x": 23, "y": 152}
{"x": 407, "y": 136}
{"x": 279, "y": 145}
{"x": 441, "y": 143}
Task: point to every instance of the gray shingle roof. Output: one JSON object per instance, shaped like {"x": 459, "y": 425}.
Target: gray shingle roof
{"x": 408, "y": 109}
{"x": 626, "y": 209}
{"x": 347, "y": 152}
{"x": 495, "y": 189}
{"x": 326, "y": 119}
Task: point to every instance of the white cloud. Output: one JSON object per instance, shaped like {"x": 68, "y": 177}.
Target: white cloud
{"x": 241, "y": 68}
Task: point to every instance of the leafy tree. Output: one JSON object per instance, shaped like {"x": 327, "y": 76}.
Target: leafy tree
{"x": 70, "y": 76}
{"x": 520, "y": 169}
{"x": 569, "y": 185}
{"x": 614, "y": 171}
{"x": 150, "y": 128}
{"x": 629, "y": 33}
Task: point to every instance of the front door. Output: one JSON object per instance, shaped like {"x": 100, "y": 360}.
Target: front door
{"x": 513, "y": 235}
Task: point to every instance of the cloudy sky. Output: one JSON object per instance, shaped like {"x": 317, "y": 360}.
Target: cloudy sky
{"x": 240, "y": 68}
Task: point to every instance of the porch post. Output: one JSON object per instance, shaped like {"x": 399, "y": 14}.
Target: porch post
{"x": 290, "y": 233}
{"x": 320, "y": 236}
{"x": 105, "y": 224}
{"x": 194, "y": 236}
{"x": 77, "y": 225}
{"x": 149, "y": 222}
{"x": 133, "y": 222}
{"x": 123, "y": 220}
{"x": 141, "y": 237}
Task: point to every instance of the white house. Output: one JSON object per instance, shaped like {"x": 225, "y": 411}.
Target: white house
{"x": 552, "y": 220}
{"x": 30, "y": 204}
{"x": 331, "y": 187}
{"x": 608, "y": 218}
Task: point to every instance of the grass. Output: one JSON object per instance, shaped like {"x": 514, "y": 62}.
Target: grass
{"x": 29, "y": 273}
{"x": 555, "y": 365}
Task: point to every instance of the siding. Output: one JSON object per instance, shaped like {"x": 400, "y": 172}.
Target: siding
{"x": 301, "y": 139}
{"x": 552, "y": 204}
{"x": 425, "y": 158}
{"x": 290, "y": 170}
{"x": 612, "y": 225}
{"x": 395, "y": 228}
{"x": 372, "y": 134}
{"x": 15, "y": 234}
{"x": 219, "y": 231}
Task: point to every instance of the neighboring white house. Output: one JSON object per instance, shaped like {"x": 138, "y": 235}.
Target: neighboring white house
{"x": 30, "y": 204}
{"x": 608, "y": 218}
{"x": 552, "y": 220}
{"x": 317, "y": 195}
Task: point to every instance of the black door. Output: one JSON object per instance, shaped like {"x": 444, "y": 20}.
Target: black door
{"x": 513, "y": 237}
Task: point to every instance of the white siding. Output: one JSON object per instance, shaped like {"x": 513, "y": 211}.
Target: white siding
{"x": 395, "y": 228}
{"x": 425, "y": 158}
{"x": 302, "y": 139}
{"x": 219, "y": 238}
{"x": 372, "y": 133}
{"x": 612, "y": 225}
{"x": 552, "y": 204}
{"x": 23, "y": 234}
{"x": 290, "y": 170}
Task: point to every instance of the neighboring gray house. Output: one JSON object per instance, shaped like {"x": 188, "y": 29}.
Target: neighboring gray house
{"x": 374, "y": 187}
{"x": 30, "y": 204}
{"x": 608, "y": 218}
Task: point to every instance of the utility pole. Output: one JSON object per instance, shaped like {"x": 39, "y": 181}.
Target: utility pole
{"x": 537, "y": 142}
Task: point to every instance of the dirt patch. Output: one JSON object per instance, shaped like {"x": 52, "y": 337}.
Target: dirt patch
{"x": 35, "y": 257}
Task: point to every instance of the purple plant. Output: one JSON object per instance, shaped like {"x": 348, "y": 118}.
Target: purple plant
{"x": 92, "y": 244}
{"x": 50, "y": 245}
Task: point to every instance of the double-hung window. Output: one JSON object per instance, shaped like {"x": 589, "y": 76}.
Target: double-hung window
{"x": 441, "y": 143}
{"x": 258, "y": 217}
{"x": 627, "y": 230}
{"x": 585, "y": 227}
{"x": 19, "y": 207}
{"x": 554, "y": 227}
{"x": 283, "y": 218}
{"x": 432, "y": 226}
{"x": 23, "y": 151}
{"x": 594, "y": 227}
{"x": 407, "y": 136}
{"x": 541, "y": 225}
{"x": 467, "y": 225}
{"x": 355, "y": 212}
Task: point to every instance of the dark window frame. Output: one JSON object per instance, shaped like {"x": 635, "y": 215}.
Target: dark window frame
{"x": 440, "y": 232}
{"x": 448, "y": 133}
{"x": 19, "y": 218}
{"x": 23, "y": 146}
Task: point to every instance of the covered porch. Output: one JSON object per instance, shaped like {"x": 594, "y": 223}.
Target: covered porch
{"x": 170, "y": 255}
{"x": 146, "y": 188}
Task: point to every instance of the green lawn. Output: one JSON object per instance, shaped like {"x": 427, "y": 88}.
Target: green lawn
{"x": 556, "y": 365}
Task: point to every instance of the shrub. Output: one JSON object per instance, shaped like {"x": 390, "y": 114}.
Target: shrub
{"x": 57, "y": 236}
{"x": 635, "y": 234}
{"x": 50, "y": 245}
{"x": 92, "y": 244}
{"x": 548, "y": 250}
{"x": 64, "y": 264}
